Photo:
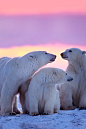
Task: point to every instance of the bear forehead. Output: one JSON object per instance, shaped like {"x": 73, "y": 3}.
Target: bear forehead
{"x": 55, "y": 71}
{"x": 36, "y": 52}
{"x": 73, "y": 49}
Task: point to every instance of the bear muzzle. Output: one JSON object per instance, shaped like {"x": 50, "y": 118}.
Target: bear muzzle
{"x": 70, "y": 79}
{"x": 63, "y": 55}
{"x": 53, "y": 58}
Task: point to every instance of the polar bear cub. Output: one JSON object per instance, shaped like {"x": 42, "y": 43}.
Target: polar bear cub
{"x": 73, "y": 94}
{"x": 15, "y": 71}
{"x": 42, "y": 96}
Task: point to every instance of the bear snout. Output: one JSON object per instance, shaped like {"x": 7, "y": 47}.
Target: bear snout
{"x": 53, "y": 58}
{"x": 70, "y": 79}
{"x": 61, "y": 55}
{"x": 64, "y": 55}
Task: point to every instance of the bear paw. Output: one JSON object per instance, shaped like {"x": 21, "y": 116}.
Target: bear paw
{"x": 25, "y": 112}
{"x": 34, "y": 114}
{"x": 82, "y": 108}
{"x": 12, "y": 113}
{"x": 47, "y": 113}
{"x": 68, "y": 108}
{"x": 56, "y": 110}
{"x": 18, "y": 112}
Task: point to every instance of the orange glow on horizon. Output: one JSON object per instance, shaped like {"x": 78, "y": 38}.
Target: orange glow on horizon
{"x": 54, "y": 49}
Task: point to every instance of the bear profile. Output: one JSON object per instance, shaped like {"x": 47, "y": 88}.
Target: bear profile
{"x": 73, "y": 94}
{"x": 42, "y": 96}
{"x": 15, "y": 71}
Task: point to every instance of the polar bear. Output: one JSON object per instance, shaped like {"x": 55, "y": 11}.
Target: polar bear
{"x": 42, "y": 96}
{"x": 13, "y": 72}
{"x": 3, "y": 61}
{"x": 73, "y": 94}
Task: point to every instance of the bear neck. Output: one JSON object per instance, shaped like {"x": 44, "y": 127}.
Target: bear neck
{"x": 78, "y": 65}
{"x": 26, "y": 68}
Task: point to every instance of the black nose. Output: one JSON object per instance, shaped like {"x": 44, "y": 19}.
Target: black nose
{"x": 70, "y": 79}
{"x": 55, "y": 56}
{"x": 53, "y": 59}
{"x": 61, "y": 54}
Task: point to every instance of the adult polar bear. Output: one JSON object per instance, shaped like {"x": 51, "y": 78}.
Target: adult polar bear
{"x": 73, "y": 94}
{"x": 42, "y": 96}
{"x": 13, "y": 72}
{"x": 3, "y": 61}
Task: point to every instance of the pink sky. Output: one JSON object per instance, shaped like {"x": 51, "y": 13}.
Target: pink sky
{"x": 52, "y": 34}
{"x": 41, "y": 6}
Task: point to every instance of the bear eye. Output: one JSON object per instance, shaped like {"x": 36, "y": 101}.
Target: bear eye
{"x": 45, "y": 52}
{"x": 84, "y": 52}
{"x": 31, "y": 56}
{"x": 70, "y": 50}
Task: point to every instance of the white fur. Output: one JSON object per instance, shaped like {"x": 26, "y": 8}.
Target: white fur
{"x": 13, "y": 72}
{"x": 3, "y": 62}
{"x": 73, "y": 94}
{"x": 42, "y": 96}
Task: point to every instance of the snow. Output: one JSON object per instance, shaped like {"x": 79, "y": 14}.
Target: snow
{"x": 65, "y": 119}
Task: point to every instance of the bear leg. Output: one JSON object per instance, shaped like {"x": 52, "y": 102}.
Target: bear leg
{"x": 82, "y": 103}
{"x": 6, "y": 109}
{"x": 6, "y": 101}
{"x": 33, "y": 107}
{"x": 66, "y": 98}
{"x": 49, "y": 107}
{"x": 57, "y": 103}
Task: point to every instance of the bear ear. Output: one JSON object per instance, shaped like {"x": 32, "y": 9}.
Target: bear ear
{"x": 56, "y": 72}
{"x": 30, "y": 56}
{"x": 83, "y": 52}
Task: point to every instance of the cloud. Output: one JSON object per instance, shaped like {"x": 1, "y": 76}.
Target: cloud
{"x": 42, "y": 29}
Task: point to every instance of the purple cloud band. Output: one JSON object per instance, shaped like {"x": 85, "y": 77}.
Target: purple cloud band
{"x": 42, "y": 29}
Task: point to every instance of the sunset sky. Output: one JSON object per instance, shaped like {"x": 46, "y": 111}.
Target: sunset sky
{"x": 41, "y": 6}
{"x": 49, "y": 25}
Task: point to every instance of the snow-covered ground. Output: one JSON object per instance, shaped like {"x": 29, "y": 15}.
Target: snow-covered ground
{"x": 70, "y": 119}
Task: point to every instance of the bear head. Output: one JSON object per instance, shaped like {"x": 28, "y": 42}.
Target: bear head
{"x": 52, "y": 76}
{"x": 73, "y": 54}
{"x": 41, "y": 57}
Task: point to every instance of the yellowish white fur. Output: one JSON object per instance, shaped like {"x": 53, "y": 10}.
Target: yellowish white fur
{"x": 42, "y": 96}
{"x": 73, "y": 94}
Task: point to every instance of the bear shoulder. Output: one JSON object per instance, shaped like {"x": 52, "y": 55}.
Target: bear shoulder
{"x": 71, "y": 69}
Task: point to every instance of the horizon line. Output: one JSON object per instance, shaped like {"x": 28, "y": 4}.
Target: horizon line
{"x": 43, "y": 14}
